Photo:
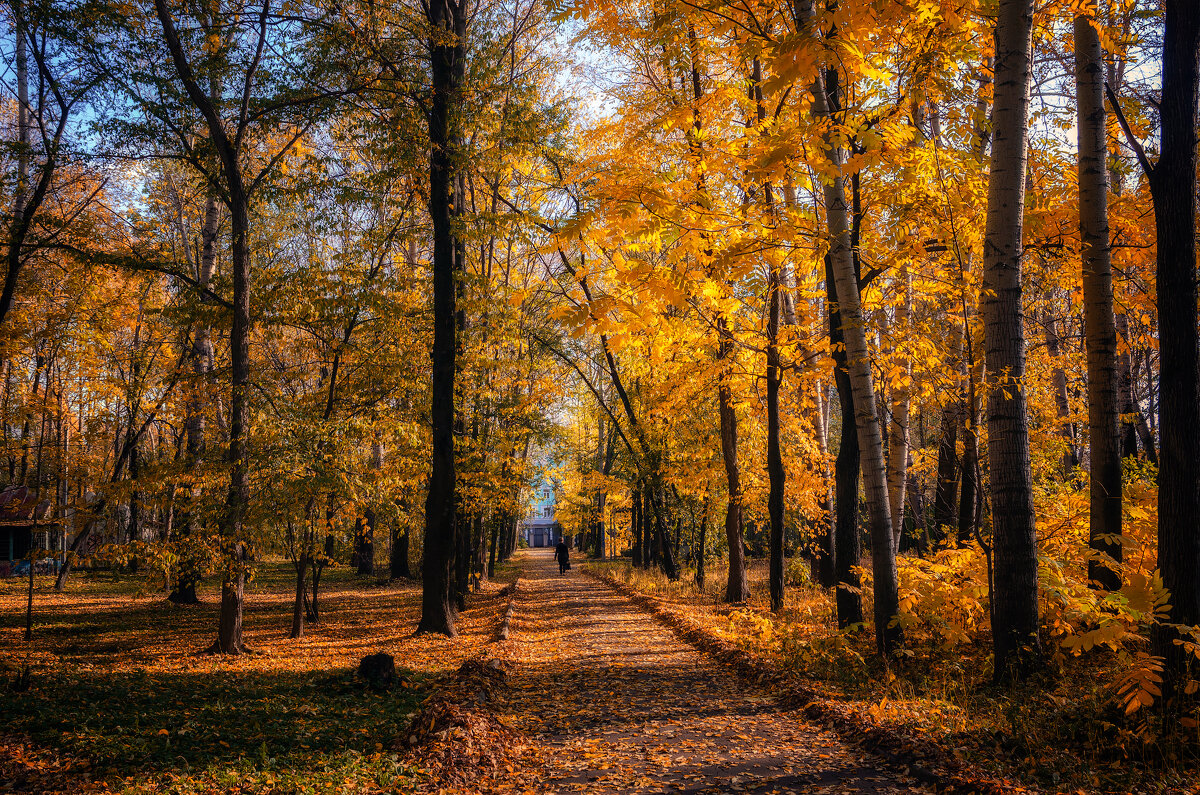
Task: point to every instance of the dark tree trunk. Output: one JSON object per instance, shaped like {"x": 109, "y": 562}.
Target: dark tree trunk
{"x": 970, "y": 502}
{"x": 478, "y": 564}
{"x": 448, "y": 18}
{"x": 314, "y": 609}
{"x": 398, "y": 562}
{"x": 1173, "y": 185}
{"x": 847, "y": 548}
{"x": 1129, "y": 408}
{"x": 20, "y": 226}
{"x": 776, "y": 475}
{"x": 824, "y": 554}
{"x": 1100, "y": 326}
{"x": 737, "y": 587}
{"x": 1066, "y": 428}
{"x": 200, "y": 355}
{"x": 649, "y": 528}
{"x": 494, "y": 529}
{"x": 1015, "y": 607}
{"x": 664, "y": 549}
{"x": 947, "y": 469}
{"x": 229, "y": 628}
{"x": 364, "y": 540}
{"x": 26, "y": 201}
{"x": 134, "y": 533}
{"x": 635, "y": 525}
{"x": 297, "y": 630}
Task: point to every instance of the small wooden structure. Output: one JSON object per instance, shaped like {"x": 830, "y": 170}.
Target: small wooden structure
{"x": 22, "y": 517}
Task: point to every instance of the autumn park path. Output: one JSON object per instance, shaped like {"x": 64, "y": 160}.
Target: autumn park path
{"x": 617, "y": 703}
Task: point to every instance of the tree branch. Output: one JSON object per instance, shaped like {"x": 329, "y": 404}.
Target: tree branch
{"x": 1130, "y": 138}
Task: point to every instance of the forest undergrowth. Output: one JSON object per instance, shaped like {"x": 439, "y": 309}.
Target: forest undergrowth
{"x": 119, "y": 699}
{"x": 1091, "y": 721}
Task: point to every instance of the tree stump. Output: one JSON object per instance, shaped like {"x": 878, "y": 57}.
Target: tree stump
{"x": 378, "y": 671}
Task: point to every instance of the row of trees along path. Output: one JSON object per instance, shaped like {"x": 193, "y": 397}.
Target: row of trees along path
{"x": 618, "y": 703}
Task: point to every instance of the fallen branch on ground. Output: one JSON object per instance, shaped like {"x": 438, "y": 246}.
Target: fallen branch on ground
{"x": 506, "y": 625}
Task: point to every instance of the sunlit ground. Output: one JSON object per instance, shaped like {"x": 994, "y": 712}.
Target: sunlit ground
{"x": 120, "y": 699}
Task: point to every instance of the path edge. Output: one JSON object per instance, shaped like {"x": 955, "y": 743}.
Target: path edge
{"x": 925, "y": 762}
{"x": 505, "y": 628}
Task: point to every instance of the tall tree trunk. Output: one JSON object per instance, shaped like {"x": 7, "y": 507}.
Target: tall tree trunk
{"x": 478, "y": 566}
{"x": 668, "y": 558}
{"x": 19, "y": 226}
{"x": 601, "y": 529}
{"x": 398, "y": 560}
{"x": 847, "y": 548}
{"x": 200, "y": 354}
{"x": 970, "y": 495}
{"x": 297, "y": 630}
{"x": 947, "y": 468}
{"x": 898, "y": 430}
{"x": 858, "y": 388}
{"x": 840, "y": 264}
{"x": 635, "y": 525}
{"x": 970, "y": 501}
{"x": 365, "y": 536}
{"x": 1173, "y": 186}
{"x": 1129, "y": 408}
{"x": 737, "y": 587}
{"x": 648, "y": 537}
{"x": 827, "y": 539}
{"x": 870, "y": 437}
{"x": 1015, "y": 608}
{"x": 448, "y": 19}
{"x": 1100, "y": 327}
{"x": 229, "y": 627}
{"x": 776, "y": 475}
{"x": 1066, "y": 428}
{"x": 494, "y": 527}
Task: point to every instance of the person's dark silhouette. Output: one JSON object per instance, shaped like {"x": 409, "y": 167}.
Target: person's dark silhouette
{"x": 563, "y": 555}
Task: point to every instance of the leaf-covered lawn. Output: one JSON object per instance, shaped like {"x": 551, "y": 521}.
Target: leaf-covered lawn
{"x": 120, "y": 700}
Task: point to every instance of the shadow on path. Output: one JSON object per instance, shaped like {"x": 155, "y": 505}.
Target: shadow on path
{"x": 618, "y": 704}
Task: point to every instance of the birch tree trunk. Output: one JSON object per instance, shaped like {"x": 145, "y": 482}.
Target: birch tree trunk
{"x": 898, "y": 430}
{"x": 1015, "y": 608}
{"x": 870, "y": 437}
{"x": 1100, "y": 328}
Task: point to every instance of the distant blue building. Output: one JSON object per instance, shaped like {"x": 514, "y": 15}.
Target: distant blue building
{"x": 540, "y": 528}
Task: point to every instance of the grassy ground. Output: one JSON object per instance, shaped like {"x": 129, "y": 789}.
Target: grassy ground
{"x": 1061, "y": 732}
{"x": 120, "y": 700}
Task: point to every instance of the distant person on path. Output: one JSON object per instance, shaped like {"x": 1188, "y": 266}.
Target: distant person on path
{"x": 563, "y": 555}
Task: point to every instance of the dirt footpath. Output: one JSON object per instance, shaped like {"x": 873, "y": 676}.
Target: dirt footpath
{"x": 618, "y": 704}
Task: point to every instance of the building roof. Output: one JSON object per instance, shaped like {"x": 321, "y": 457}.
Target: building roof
{"x": 19, "y": 507}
